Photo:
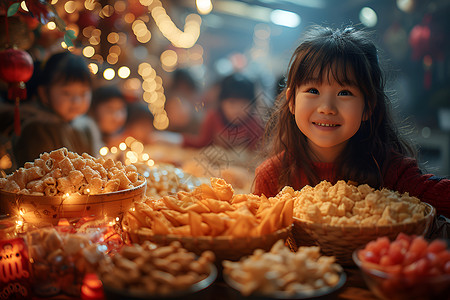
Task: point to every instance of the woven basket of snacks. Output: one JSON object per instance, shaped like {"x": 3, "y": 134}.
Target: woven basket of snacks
{"x": 211, "y": 218}
{"x": 63, "y": 184}
{"x": 342, "y": 217}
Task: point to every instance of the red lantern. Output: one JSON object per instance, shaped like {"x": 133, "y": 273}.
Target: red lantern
{"x": 16, "y": 67}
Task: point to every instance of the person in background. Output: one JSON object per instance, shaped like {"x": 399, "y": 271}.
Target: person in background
{"x": 139, "y": 124}
{"x": 64, "y": 92}
{"x": 109, "y": 111}
{"x": 233, "y": 124}
{"x": 182, "y": 101}
{"x": 333, "y": 122}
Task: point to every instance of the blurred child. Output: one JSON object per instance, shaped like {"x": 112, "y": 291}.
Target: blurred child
{"x": 333, "y": 123}
{"x": 182, "y": 98}
{"x": 234, "y": 123}
{"x": 109, "y": 111}
{"x": 139, "y": 124}
{"x": 64, "y": 92}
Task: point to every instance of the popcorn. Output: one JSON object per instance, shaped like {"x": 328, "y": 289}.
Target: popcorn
{"x": 351, "y": 205}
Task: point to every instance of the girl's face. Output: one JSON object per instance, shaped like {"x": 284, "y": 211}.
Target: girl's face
{"x": 69, "y": 100}
{"x": 235, "y": 109}
{"x": 111, "y": 115}
{"x": 328, "y": 114}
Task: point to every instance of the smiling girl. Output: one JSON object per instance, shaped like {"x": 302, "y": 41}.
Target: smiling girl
{"x": 332, "y": 122}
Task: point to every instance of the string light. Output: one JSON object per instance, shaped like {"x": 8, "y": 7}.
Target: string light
{"x": 109, "y": 74}
{"x": 51, "y": 25}
{"x": 181, "y": 39}
{"x": 123, "y": 72}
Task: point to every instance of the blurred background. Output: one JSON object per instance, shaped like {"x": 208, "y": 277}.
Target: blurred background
{"x": 140, "y": 45}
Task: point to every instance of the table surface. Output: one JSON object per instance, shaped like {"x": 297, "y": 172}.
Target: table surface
{"x": 354, "y": 289}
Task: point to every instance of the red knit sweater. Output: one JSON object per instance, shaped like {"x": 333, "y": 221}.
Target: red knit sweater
{"x": 215, "y": 130}
{"x": 403, "y": 175}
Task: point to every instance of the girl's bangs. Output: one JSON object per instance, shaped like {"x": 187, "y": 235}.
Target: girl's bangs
{"x": 318, "y": 66}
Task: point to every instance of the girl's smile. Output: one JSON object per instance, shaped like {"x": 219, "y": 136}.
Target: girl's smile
{"x": 328, "y": 114}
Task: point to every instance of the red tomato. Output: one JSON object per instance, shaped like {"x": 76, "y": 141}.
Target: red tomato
{"x": 437, "y": 246}
{"x": 396, "y": 252}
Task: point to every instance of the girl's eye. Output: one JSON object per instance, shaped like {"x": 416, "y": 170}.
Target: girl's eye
{"x": 313, "y": 91}
{"x": 345, "y": 93}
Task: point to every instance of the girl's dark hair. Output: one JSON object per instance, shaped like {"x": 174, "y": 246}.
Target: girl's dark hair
{"x": 65, "y": 67}
{"x": 330, "y": 54}
{"x": 104, "y": 94}
{"x": 237, "y": 86}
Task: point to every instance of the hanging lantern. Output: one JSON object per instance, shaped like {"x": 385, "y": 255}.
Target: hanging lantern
{"x": 16, "y": 68}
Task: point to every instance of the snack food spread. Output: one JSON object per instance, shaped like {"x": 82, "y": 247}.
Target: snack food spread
{"x": 63, "y": 172}
{"x": 211, "y": 211}
{"x": 347, "y": 204}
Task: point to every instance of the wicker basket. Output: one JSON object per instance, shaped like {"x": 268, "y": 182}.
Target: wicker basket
{"x": 44, "y": 210}
{"x": 224, "y": 247}
{"x": 341, "y": 241}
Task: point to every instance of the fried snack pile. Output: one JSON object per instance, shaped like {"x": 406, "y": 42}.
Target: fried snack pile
{"x": 350, "y": 205}
{"x": 210, "y": 211}
{"x": 165, "y": 179}
{"x": 61, "y": 171}
{"x": 281, "y": 270}
{"x": 148, "y": 268}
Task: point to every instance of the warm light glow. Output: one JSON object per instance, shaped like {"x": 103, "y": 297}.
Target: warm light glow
{"x": 120, "y": 6}
{"x": 115, "y": 49}
{"x": 181, "y": 39}
{"x": 109, "y": 74}
{"x": 70, "y": 6}
{"x": 117, "y": 219}
{"x": 144, "y": 38}
{"x": 137, "y": 147}
{"x": 113, "y": 150}
{"x": 169, "y": 58}
{"x": 112, "y": 58}
{"x": 129, "y": 18}
{"x": 122, "y": 146}
{"x": 107, "y": 10}
{"x": 66, "y": 195}
{"x": 88, "y": 51}
{"x": 123, "y": 72}
{"x": 51, "y": 25}
{"x": 64, "y": 45}
{"x": 93, "y": 68}
{"x": 129, "y": 140}
{"x": 23, "y": 5}
{"x": 19, "y": 222}
{"x": 204, "y": 7}
{"x": 103, "y": 151}
{"x": 146, "y": 2}
{"x": 87, "y": 191}
{"x": 113, "y": 37}
{"x": 145, "y": 156}
{"x": 150, "y": 163}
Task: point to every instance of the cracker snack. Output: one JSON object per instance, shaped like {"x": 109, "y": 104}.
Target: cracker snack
{"x": 211, "y": 211}
{"x": 63, "y": 172}
{"x": 155, "y": 270}
{"x": 281, "y": 270}
{"x": 349, "y": 205}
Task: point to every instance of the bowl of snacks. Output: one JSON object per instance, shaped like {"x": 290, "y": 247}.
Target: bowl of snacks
{"x": 283, "y": 274}
{"x": 149, "y": 271}
{"x": 211, "y": 218}
{"x": 63, "y": 184}
{"x": 342, "y": 217}
{"x": 408, "y": 267}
